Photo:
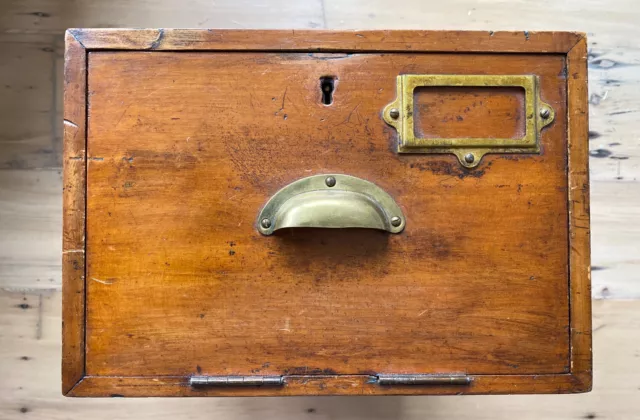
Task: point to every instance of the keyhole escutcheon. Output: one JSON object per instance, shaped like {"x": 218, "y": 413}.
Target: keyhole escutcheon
{"x": 327, "y": 86}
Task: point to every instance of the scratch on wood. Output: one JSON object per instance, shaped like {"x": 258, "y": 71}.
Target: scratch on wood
{"x": 71, "y": 251}
{"x": 72, "y": 124}
{"x": 284, "y": 96}
{"x": 101, "y": 281}
{"x": 348, "y": 119}
{"x": 287, "y": 324}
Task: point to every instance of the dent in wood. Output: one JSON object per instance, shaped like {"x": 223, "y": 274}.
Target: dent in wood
{"x": 156, "y": 43}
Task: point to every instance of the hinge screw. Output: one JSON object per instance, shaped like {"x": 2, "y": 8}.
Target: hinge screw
{"x": 265, "y": 223}
{"x": 469, "y": 158}
{"x": 545, "y": 113}
{"x": 394, "y": 113}
{"x": 330, "y": 181}
{"x": 396, "y": 221}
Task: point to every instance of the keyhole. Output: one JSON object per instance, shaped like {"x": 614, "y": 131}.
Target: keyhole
{"x": 327, "y": 86}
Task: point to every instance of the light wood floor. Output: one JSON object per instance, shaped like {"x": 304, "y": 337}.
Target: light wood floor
{"x": 30, "y": 198}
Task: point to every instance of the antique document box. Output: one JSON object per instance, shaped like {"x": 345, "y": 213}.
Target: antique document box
{"x": 325, "y": 213}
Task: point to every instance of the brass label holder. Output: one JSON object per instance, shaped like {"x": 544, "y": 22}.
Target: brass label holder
{"x": 399, "y": 114}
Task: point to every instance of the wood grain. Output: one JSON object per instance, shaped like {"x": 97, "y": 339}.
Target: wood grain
{"x": 469, "y": 112}
{"x": 328, "y": 41}
{"x": 579, "y": 225}
{"x": 30, "y": 385}
{"x": 110, "y": 153}
{"x": 73, "y": 220}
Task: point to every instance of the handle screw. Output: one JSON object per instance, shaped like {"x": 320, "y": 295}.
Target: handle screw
{"x": 545, "y": 113}
{"x": 394, "y": 113}
{"x": 396, "y": 221}
{"x": 265, "y": 223}
{"x": 469, "y": 158}
{"x": 330, "y": 181}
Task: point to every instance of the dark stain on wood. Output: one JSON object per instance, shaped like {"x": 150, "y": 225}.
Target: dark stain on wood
{"x": 305, "y": 370}
{"x": 450, "y": 168}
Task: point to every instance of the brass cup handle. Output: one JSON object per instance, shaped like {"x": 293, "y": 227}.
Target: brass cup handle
{"x": 331, "y": 201}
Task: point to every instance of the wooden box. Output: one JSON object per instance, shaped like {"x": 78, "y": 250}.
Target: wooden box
{"x": 325, "y": 213}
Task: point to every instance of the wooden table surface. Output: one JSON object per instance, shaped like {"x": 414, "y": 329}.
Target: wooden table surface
{"x": 31, "y": 47}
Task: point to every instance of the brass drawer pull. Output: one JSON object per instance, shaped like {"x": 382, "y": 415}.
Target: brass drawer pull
{"x": 331, "y": 201}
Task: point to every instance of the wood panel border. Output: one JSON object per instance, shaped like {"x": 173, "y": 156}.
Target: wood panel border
{"x": 109, "y": 386}
{"x": 80, "y": 41}
{"x": 325, "y": 40}
{"x": 579, "y": 219}
{"x": 73, "y": 214}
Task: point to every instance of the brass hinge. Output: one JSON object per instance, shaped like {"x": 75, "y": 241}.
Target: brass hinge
{"x": 236, "y": 381}
{"x": 391, "y": 379}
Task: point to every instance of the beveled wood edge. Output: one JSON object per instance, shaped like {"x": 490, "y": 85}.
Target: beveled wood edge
{"x": 79, "y": 41}
{"x": 326, "y": 40}
{"x": 113, "y": 386}
{"x": 73, "y": 214}
{"x": 579, "y": 213}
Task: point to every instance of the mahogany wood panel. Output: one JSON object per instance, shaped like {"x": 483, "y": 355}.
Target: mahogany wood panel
{"x": 469, "y": 112}
{"x": 185, "y": 147}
